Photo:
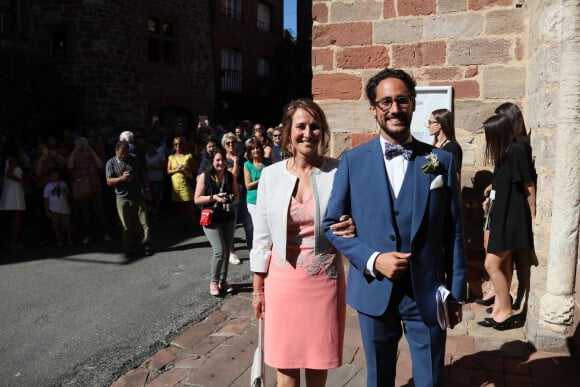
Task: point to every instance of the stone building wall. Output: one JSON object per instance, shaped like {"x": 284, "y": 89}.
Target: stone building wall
{"x": 478, "y": 47}
{"x": 490, "y": 51}
{"x": 106, "y": 56}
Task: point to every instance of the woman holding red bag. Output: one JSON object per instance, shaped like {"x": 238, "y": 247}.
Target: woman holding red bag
{"x": 217, "y": 190}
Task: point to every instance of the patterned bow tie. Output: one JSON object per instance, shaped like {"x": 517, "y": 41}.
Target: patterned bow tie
{"x": 405, "y": 150}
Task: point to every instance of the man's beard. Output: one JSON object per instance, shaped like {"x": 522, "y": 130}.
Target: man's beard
{"x": 398, "y": 135}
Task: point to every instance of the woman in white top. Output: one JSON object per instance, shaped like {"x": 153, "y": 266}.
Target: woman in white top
{"x": 12, "y": 198}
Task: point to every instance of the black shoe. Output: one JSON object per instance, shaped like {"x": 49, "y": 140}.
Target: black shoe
{"x": 509, "y": 323}
{"x": 485, "y": 301}
{"x": 484, "y": 324}
{"x": 148, "y": 251}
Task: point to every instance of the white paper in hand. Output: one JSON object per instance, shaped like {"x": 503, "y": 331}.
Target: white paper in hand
{"x": 441, "y": 300}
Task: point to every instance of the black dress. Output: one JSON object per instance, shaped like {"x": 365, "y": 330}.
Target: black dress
{"x": 510, "y": 221}
{"x": 455, "y": 149}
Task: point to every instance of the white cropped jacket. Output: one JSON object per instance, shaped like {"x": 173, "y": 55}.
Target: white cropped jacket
{"x": 271, "y": 220}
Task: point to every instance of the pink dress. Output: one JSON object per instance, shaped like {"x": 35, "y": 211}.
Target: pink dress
{"x": 305, "y": 300}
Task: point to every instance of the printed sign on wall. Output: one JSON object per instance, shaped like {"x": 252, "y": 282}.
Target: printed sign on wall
{"x": 429, "y": 98}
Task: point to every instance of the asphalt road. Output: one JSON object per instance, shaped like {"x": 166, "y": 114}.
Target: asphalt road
{"x": 82, "y": 315}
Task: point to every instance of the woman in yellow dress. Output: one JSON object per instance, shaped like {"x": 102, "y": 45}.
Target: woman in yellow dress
{"x": 181, "y": 167}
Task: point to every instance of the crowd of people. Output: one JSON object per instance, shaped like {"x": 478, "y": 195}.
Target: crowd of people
{"x": 391, "y": 206}
{"x": 61, "y": 186}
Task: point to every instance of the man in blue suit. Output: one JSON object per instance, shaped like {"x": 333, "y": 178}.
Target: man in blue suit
{"x": 404, "y": 198}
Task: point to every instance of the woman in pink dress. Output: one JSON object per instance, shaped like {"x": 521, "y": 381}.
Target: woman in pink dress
{"x": 298, "y": 275}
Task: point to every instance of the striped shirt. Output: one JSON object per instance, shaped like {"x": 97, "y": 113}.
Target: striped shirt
{"x": 130, "y": 189}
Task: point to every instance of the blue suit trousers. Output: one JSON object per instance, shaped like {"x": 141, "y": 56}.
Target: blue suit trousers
{"x": 381, "y": 335}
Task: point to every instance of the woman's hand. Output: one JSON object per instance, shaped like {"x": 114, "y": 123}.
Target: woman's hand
{"x": 345, "y": 227}
{"x": 487, "y": 191}
{"x": 258, "y": 303}
{"x": 485, "y": 204}
{"x": 220, "y": 198}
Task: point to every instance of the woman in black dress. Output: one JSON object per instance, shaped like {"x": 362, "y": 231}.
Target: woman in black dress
{"x": 514, "y": 114}
{"x": 441, "y": 125}
{"x": 510, "y": 220}
{"x": 521, "y": 136}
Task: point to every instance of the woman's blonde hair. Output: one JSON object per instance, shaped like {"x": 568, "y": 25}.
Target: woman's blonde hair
{"x": 229, "y": 136}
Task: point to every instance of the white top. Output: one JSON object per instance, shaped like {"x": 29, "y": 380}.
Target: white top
{"x": 12, "y": 193}
{"x": 271, "y": 220}
{"x": 57, "y": 195}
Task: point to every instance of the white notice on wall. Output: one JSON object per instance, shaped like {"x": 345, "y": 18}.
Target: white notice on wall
{"x": 429, "y": 98}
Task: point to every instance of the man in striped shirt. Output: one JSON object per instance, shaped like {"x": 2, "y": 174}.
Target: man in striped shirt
{"x": 124, "y": 172}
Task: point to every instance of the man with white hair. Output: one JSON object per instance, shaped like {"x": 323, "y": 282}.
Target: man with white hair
{"x": 127, "y": 136}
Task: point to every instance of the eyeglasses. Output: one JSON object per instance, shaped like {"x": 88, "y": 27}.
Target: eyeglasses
{"x": 386, "y": 103}
{"x": 432, "y": 122}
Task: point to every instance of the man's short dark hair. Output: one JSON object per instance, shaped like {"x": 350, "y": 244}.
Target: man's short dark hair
{"x": 371, "y": 88}
{"x": 121, "y": 144}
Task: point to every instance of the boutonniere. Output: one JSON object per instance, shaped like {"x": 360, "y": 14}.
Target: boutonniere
{"x": 432, "y": 163}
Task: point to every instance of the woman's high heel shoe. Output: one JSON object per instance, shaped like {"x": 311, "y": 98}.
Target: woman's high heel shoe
{"x": 485, "y": 301}
{"x": 509, "y": 323}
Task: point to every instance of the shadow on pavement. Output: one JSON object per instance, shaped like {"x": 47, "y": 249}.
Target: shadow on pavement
{"x": 516, "y": 363}
{"x": 166, "y": 235}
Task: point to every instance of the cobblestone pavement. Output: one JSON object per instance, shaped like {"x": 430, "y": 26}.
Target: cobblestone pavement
{"x": 218, "y": 351}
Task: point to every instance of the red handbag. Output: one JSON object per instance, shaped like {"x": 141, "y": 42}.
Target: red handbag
{"x": 205, "y": 217}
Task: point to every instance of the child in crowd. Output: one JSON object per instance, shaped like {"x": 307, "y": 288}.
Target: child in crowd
{"x": 57, "y": 207}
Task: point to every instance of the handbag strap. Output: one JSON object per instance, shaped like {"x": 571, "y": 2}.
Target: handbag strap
{"x": 260, "y": 333}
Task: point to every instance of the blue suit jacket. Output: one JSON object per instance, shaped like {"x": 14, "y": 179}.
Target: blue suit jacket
{"x": 437, "y": 249}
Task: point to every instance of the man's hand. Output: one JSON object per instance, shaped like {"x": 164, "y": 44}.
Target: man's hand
{"x": 455, "y": 311}
{"x": 345, "y": 227}
{"x": 392, "y": 265}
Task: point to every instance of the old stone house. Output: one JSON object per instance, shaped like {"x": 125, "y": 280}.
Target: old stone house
{"x": 490, "y": 52}
{"x": 87, "y": 64}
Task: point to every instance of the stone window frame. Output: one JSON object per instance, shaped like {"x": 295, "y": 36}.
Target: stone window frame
{"x": 58, "y": 41}
{"x": 232, "y": 9}
{"x": 232, "y": 70}
{"x": 263, "y": 75}
{"x": 12, "y": 18}
{"x": 264, "y": 16}
{"x": 162, "y": 31}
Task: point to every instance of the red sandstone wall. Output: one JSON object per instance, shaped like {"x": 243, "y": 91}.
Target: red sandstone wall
{"x": 476, "y": 46}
